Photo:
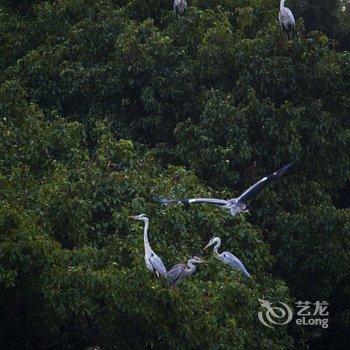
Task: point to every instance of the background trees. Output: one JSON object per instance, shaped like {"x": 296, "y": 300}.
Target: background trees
{"x": 329, "y": 16}
{"x": 107, "y": 103}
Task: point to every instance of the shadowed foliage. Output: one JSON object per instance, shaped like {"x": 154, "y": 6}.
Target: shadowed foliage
{"x": 105, "y": 104}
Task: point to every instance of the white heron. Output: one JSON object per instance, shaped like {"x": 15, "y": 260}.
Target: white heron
{"x": 286, "y": 20}
{"x": 234, "y": 205}
{"x": 180, "y": 271}
{"x": 227, "y": 257}
{"x": 153, "y": 261}
{"x": 180, "y": 7}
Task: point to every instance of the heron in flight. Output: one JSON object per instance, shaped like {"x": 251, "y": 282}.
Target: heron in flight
{"x": 180, "y": 271}
{"x": 286, "y": 20}
{"x": 234, "y": 205}
{"x": 227, "y": 257}
{"x": 180, "y": 7}
{"x": 153, "y": 261}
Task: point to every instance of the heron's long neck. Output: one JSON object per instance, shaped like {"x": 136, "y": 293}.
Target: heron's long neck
{"x": 216, "y": 247}
{"x": 282, "y": 5}
{"x": 191, "y": 267}
{"x": 145, "y": 231}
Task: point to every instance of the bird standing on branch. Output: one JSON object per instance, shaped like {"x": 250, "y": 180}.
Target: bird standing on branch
{"x": 227, "y": 257}
{"x": 180, "y": 7}
{"x": 286, "y": 20}
{"x": 153, "y": 261}
{"x": 180, "y": 271}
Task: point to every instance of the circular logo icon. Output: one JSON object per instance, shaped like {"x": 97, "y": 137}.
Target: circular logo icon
{"x": 274, "y": 315}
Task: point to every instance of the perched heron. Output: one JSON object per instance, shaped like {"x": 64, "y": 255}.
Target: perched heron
{"x": 178, "y": 272}
{"x": 286, "y": 20}
{"x": 153, "y": 261}
{"x": 234, "y": 205}
{"x": 180, "y": 7}
{"x": 227, "y": 257}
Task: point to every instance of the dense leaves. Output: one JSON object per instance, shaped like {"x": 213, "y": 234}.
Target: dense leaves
{"x": 105, "y": 104}
{"x": 72, "y": 262}
{"x": 329, "y": 16}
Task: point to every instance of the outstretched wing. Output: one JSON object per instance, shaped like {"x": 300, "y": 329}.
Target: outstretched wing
{"x": 157, "y": 264}
{"x": 234, "y": 262}
{"x": 187, "y": 201}
{"x": 174, "y": 274}
{"x": 254, "y": 190}
{"x": 214, "y": 201}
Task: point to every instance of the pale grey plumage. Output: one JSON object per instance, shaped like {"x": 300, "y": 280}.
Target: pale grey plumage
{"x": 227, "y": 257}
{"x": 234, "y": 205}
{"x": 152, "y": 260}
{"x": 286, "y": 20}
{"x": 180, "y": 271}
{"x": 180, "y": 7}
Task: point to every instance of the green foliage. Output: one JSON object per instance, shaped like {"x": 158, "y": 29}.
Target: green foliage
{"x": 105, "y": 104}
{"x": 72, "y": 260}
{"x": 329, "y": 16}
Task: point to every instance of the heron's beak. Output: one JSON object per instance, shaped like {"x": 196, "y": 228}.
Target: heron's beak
{"x": 207, "y": 246}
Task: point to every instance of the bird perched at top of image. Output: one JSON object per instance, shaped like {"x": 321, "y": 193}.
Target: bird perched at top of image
{"x": 286, "y": 20}
{"x": 234, "y": 205}
{"x": 153, "y": 261}
{"x": 227, "y": 257}
{"x": 180, "y": 7}
{"x": 180, "y": 271}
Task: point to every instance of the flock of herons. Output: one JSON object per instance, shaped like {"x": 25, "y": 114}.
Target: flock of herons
{"x": 285, "y": 17}
{"x": 235, "y": 206}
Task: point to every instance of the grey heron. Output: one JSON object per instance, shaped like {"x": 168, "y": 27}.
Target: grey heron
{"x": 234, "y": 205}
{"x": 286, "y": 20}
{"x": 180, "y": 7}
{"x": 180, "y": 271}
{"x": 227, "y": 257}
{"x": 153, "y": 261}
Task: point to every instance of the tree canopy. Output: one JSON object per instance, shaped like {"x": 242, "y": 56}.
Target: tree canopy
{"x": 105, "y": 104}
